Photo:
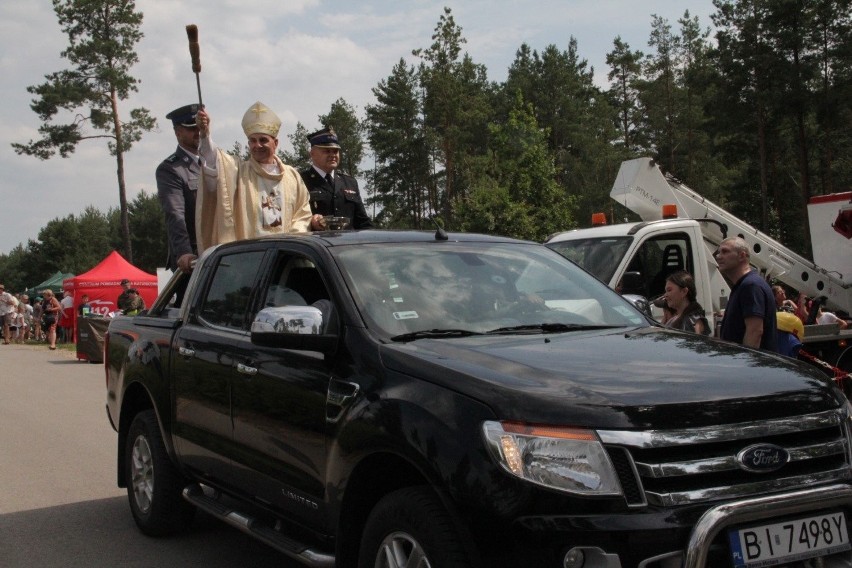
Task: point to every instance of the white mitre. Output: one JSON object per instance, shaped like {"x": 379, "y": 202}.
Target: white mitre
{"x": 259, "y": 119}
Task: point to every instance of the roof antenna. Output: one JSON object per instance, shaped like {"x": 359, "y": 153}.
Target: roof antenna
{"x": 440, "y": 234}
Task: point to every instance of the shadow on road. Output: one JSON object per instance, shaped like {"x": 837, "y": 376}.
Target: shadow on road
{"x": 102, "y": 533}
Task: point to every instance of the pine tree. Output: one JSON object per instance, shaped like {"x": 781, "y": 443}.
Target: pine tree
{"x": 350, "y": 133}
{"x": 300, "y": 157}
{"x": 101, "y": 39}
{"x": 402, "y": 176}
{"x": 456, "y": 111}
{"x": 519, "y": 195}
{"x": 625, "y": 71}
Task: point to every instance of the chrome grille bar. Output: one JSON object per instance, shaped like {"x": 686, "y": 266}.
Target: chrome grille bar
{"x": 685, "y": 466}
{"x": 729, "y": 463}
{"x": 746, "y": 489}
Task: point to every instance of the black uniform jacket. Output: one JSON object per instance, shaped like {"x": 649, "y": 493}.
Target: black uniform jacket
{"x": 343, "y": 200}
{"x": 177, "y": 183}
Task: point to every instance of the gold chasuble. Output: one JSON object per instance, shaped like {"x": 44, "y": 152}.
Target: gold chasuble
{"x": 242, "y": 199}
{"x": 237, "y": 208}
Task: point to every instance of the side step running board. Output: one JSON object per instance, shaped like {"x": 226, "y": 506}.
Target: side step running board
{"x": 257, "y": 529}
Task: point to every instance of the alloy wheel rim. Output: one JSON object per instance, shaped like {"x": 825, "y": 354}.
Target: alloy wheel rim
{"x": 142, "y": 474}
{"x": 401, "y": 550}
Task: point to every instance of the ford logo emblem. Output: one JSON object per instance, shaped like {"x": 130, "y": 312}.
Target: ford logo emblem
{"x": 763, "y": 458}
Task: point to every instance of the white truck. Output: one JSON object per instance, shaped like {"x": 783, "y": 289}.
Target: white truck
{"x": 635, "y": 258}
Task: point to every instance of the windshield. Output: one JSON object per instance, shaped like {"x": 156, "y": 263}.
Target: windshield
{"x": 600, "y": 256}
{"x": 467, "y": 288}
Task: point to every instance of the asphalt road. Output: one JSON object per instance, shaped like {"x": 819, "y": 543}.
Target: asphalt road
{"x": 59, "y": 503}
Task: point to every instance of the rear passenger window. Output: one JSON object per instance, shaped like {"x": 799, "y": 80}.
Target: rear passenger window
{"x": 227, "y": 299}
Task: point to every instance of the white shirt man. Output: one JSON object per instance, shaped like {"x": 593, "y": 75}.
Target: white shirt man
{"x": 8, "y": 307}
{"x": 828, "y": 317}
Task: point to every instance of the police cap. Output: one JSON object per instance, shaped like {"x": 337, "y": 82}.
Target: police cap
{"x": 325, "y": 138}
{"x": 184, "y": 116}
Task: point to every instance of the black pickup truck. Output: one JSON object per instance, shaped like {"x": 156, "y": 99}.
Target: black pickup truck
{"x": 388, "y": 399}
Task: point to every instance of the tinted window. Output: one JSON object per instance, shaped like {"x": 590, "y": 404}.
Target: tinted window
{"x": 227, "y": 299}
{"x": 478, "y": 287}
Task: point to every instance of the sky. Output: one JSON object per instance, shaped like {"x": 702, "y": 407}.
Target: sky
{"x": 296, "y": 56}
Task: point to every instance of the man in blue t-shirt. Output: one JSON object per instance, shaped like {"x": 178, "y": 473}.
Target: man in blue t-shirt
{"x": 750, "y": 313}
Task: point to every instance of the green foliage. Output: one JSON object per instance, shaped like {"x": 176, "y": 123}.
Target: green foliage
{"x": 300, "y": 157}
{"x": 102, "y": 35}
{"x": 517, "y": 193}
{"x": 580, "y": 121}
{"x": 148, "y": 230}
{"x": 784, "y": 85}
{"x": 242, "y": 152}
{"x": 77, "y": 243}
{"x": 456, "y": 112}
{"x": 350, "y": 133}
{"x": 402, "y": 179}
{"x": 625, "y": 72}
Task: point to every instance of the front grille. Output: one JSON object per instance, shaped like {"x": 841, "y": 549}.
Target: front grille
{"x": 679, "y": 467}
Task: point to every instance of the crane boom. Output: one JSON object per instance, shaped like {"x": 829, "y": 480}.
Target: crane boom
{"x": 643, "y": 188}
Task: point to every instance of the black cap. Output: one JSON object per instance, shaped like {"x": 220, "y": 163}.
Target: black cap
{"x": 325, "y": 138}
{"x": 125, "y": 281}
{"x": 184, "y": 116}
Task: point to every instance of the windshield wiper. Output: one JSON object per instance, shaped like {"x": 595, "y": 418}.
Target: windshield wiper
{"x": 548, "y": 328}
{"x": 434, "y": 334}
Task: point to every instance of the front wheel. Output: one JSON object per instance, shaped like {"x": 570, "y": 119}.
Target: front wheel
{"x": 154, "y": 485}
{"x": 411, "y": 528}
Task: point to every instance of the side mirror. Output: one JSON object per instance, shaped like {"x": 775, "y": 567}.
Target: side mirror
{"x": 641, "y": 303}
{"x": 292, "y": 327}
{"x": 632, "y": 283}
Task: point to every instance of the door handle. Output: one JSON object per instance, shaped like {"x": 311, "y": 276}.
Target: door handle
{"x": 246, "y": 370}
{"x": 186, "y": 352}
{"x": 340, "y": 395}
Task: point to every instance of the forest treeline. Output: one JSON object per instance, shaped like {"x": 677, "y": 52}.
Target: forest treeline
{"x": 757, "y": 117}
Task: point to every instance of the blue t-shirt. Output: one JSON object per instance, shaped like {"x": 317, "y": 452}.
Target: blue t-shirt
{"x": 788, "y": 344}
{"x": 750, "y": 296}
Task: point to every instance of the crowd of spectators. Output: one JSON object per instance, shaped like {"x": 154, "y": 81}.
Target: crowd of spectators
{"x": 50, "y": 319}
{"x": 20, "y": 318}
{"x": 25, "y": 320}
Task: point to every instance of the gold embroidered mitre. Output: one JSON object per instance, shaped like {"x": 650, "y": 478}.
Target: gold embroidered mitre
{"x": 259, "y": 119}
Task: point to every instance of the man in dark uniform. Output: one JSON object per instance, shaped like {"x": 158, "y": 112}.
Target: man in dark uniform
{"x": 332, "y": 192}
{"x": 123, "y": 300}
{"x": 177, "y": 184}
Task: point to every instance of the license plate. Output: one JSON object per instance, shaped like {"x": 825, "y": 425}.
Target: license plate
{"x": 789, "y": 541}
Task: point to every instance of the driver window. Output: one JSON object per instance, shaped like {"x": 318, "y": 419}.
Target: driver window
{"x": 295, "y": 281}
{"x": 227, "y": 299}
{"x": 660, "y": 257}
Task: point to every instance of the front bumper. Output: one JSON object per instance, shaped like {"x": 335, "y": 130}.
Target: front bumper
{"x": 722, "y": 516}
{"x": 692, "y": 537}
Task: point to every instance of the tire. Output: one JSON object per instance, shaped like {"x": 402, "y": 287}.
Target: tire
{"x": 411, "y": 528}
{"x": 154, "y": 485}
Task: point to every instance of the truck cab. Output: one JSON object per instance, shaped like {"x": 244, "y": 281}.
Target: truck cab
{"x": 636, "y": 258}
{"x": 680, "y": 229}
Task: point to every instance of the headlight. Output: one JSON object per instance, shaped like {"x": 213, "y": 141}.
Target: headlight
{"x": 567, "y": 459}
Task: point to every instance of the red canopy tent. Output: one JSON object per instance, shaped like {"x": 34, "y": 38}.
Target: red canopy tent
{"x": 103, "y": 285}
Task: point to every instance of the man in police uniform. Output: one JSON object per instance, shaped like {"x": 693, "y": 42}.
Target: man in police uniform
{"x": 332, "y": 192}
{"x": 177, "y": 184}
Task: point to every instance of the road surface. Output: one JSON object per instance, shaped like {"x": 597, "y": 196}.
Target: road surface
{"x": 59, "y": 503}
